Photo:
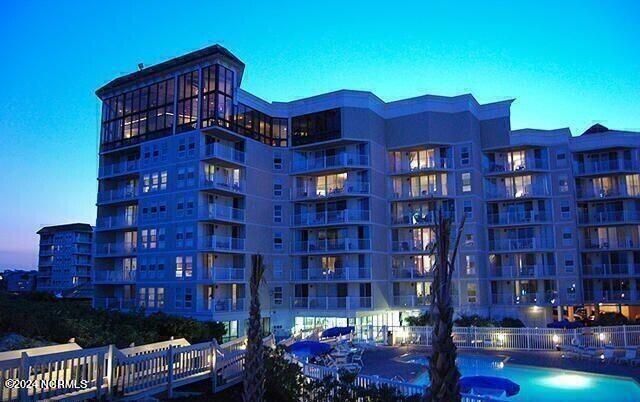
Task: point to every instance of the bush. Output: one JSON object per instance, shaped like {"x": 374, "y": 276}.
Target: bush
{"x": 421, "y": 320}
{"x": 43, "y": 317}
{"x": 473, "y": 320}
{"x": 509, "y": 322}
{"x": 609, "y": 319}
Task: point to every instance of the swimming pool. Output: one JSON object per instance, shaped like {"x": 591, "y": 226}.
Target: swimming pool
{"x": 547, "y": 385}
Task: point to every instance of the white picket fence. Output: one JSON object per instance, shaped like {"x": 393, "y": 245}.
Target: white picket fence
{"x": 507, "y": 338}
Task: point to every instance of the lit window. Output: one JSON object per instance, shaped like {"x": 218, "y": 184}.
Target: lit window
{"x": 466, "y": 182}
{"x": 472, "y": 293}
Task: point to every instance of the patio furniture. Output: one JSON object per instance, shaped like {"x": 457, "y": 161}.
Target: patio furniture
{"x": 630, "y": 356}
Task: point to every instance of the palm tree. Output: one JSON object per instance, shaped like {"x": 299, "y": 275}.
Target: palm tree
{"x": 442, "y": 365}
{"x": 254, "y": 369}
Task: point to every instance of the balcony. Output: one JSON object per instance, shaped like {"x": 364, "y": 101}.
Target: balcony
{"x": 518, "y": 218}
{"x": 409, "y": 194}
{"x": 410, "y": 273}
{"x": 336, "y": 274}
{"x": 429, "y": 165}
{"x": 114, "y": 276}
{"x": 411, "y": 245}
{"x": 223, "y": 305}
{"x": 608, "y": 217}
{"x": 331, "y": 217}
{"x": 114, "y": 303}
{"x": 116, "y": 195}
{"x": 120, "y": 168}
{"x": 223, "y": 183}
{"x": 224, "y": 152}
{"x": 116, "y": 222}
{"x": 525, "y": 271}
{"x": 527, "y": 191}
{"x": 604, "y": 166}
{"x": 610, "y": 269}
{"x": 539, "y": 298}
{"x": 222, "y": 243}
{"x": 605, "y": 296}
{"x": 224, "y": 274}
{"x": 411, "y": 301}
{"x": 350, "y": 188}
{"x": 221, "y": 213}
{"x": 331, "y": 303}
{"x": 330, "y": 245}
{"x": 609, "y": 244}
{"x": 533, "y": 243}
{"x": 342, "y": 160}
{"x": 113, "y": 249}
{"x": 586, "y": 192}
{"x": 527, "y": 165}
{"x": 418, "y": 218}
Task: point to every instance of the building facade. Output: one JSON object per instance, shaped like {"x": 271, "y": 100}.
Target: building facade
{"x": 65, "y": 257}
{"x": 339, "y": 192}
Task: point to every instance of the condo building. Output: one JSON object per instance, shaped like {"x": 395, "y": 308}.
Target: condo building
{"x": 340, "y": 193}
{"x": 64, "y": 257}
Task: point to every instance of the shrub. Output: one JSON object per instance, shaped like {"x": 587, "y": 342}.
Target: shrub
{"x": 609, "y": 319}
{"x": 473, "y": 320}
{"x": 421, "y": 320}
{"x": 509, "y": 322}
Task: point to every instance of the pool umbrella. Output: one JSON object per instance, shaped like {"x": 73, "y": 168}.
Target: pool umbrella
{"x": 337, "y": 331}
{"x": 565, "y": 324}
{"x": 306, "y": 349}
{"x": 489, "y": 383}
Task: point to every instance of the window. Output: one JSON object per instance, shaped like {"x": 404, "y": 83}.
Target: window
{"x": 567, "y": 236}
{"x": 277, "y": 295}
{"x": 184, "y": 266}
{"x": 218, "y": 84}
{"x": 472, "y": 293}
{"x": 465, "y": 156}
{"x": 151, "y": 297}
{"x": 468, "y": 209}
{"x": 277, "y": 213}
{"x": 468, "y": 240}
{"x": 316, "y": 127}
{"x": 466, "y": 182}
{"x": 278, "y": 243}
{"x": 154, "y": 181}
{"x": 257, "y": 125}
{"x": 277, "y": 161}
{"x": 565, "y": 210}
{"x": 183, "y": 298}
{"x": 561, "y": 159}
{"x": 187, "y": 101}
{"x": 470, "y": 265}
{"x": 563, "y": 183}
{"x": 277, "y": 269}
{"x": 277, "y": 188}
{"x": 568, "y": 264}
{"x": 152, "y": 238}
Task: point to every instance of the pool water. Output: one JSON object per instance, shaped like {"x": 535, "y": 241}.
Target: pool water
{"x": 547, "y": 385}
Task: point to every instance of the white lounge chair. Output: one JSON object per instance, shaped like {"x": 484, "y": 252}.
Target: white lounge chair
{"x": 631, "y": 356}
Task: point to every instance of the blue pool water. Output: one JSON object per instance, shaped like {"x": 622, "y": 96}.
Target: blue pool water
{"x": 547, "y": 385}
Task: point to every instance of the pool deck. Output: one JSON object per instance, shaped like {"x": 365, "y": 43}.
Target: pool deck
{"x": 386, "y": 362}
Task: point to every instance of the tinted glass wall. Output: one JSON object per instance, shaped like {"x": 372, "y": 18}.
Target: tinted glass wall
{"x": 316, "y": 127}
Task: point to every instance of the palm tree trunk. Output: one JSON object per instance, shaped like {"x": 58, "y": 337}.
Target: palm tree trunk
{"x": 443, "y": 372}
{"x": 254, "y": 370}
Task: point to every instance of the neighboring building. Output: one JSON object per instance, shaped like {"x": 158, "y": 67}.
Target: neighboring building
{"x": 65, "y": 257}
{"x": 338, "y": 192}
{"x": 18, "y": 281}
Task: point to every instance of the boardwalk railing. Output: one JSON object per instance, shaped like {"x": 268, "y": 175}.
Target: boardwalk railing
{"x": 507, "y": 338}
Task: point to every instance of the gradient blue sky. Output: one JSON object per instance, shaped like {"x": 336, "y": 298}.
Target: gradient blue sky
{"x": 568, "y": 64}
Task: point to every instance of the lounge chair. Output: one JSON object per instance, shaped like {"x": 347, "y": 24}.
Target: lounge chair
{"x": 608, "y": 355}
{"x": 630, "y": 357}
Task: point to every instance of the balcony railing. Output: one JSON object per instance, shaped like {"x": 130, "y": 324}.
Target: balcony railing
{"x": 539, "y": 298}
{"x": 526, "y": 165}
{"x": 428, "y": 165}
{"x": 516, "y": 218}
{"x": 223, "y": 243}
{"x": 533, "y": 190}
{"x": 119, "y": 194}
{"x": 225, "y": 183}
{"x": 410, "y": 273}
{"x": 110, "y": 222}
{"x": 411, "y": 301}
{"x": 225, "y": 305}
{"x": 222, "y": 212}
{"x": 525, "y": 271}
{"x": 589, "y": 192}
{"x": 331, "y": 217}
{"x": 119, "y": 168}
{"x": 221, "y": 274}
{"x": 347, "y": 244}
{"x": 608, "y": 217}
{"x": 349, "y": 188}
{"x": 417, "y": 218}
{"x": 607, "y": 244}
{"x": 336, "y": 274}
{"x": 217, "y": 150}
{"x": 114, "y": 303}
{"x": 116, "y": 248}
{"x": 331, "y": 303}
{"x": 532, "y": 243}
{"x": 420, "y": 193}
{"x": 604, "y": 166}
{"x": 114, "y": 276}
{"x": 610, "y": 269}
{"x": 327, "y": 162}
{"x": 411, "y": 245}
{"x": 601, "y": 296}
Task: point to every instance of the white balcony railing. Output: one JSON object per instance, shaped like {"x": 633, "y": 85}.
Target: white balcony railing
{"x": 327, "y": 162}
{"x": 222, "y": 212}
{"x": 217, "y": 150}
{"x": 330, "y": 217}
{"x": 525, "y": 165}
{"x": 604, "y": 166}
{"x": 430, "y": 164}
{"x": 223, "y": 243}
{"x": 535, "y": 298}
{"x": 410, "y": 273}
{"x": 349, "y": 188}
{"x": 110, "y": 222}
{"x": 119, "y": 168}
{"x": 411, "y": 245}
{"x": 420, "y": 193}
{"x": 524, "y": 271}
{"x": 411, "y": 300}
{"x": 336, "y": 274}
{"x": 608, "y": 217}
{"x": 114, "y": 276}
{"x": 346, "y": 244}
{"x": 113, "y": 303}
{"x": 532, "y": 243}
{"x": 532, "y": 190}
{"x": 331, "y": 303}
{"x": 610, "y": 269}
{"x": 116, "y": 248}
{"x": 516, "y": 218}
{"x": 222, "y": 305}
{"x": 609, "y": 244}
{"x": 221, "y": 182}
{"x": 221, "y": 274}
{"x": 119, "y": 194}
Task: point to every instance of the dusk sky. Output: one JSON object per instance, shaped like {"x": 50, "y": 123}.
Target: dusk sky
{"x": 567, "y": 65}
